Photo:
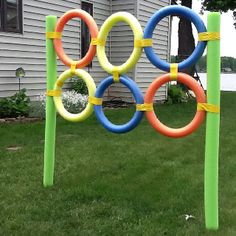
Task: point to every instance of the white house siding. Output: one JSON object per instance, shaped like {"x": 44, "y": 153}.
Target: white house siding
{"x": 121, "y": 47}
{"x": 101, "y": 11}
{"x": 145, "y": 71}
{"x": 27, "y": 50}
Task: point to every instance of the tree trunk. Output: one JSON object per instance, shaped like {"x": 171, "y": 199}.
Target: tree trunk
{"x": 186, "y": 39}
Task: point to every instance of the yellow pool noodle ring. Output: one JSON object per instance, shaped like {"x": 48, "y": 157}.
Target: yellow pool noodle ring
{"x": 58, "y": 100}
{"x": 102, "y": 37}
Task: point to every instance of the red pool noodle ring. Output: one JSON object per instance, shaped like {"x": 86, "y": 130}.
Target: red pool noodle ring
{"x": 155, "y": 122}
{"x": 93, "y": 29}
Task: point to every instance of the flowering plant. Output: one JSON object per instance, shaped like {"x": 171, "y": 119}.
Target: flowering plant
{"x": 73, "y": 102}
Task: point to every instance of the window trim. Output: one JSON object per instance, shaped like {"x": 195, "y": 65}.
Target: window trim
{"x": 3, "y": 26}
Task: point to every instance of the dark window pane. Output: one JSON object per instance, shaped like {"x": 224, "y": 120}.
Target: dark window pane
{"x": 85, "y": 39}
{"x": 85, "y": 35}
{"x": 1, "y": 14}
{"x": 12, "y": 15}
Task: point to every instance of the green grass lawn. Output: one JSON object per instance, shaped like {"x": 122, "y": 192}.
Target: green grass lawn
{"x": 139, "y": 183}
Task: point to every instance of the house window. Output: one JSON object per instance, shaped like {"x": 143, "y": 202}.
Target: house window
{"x": 11, "y": 16}
{"x": 85, "y": 35}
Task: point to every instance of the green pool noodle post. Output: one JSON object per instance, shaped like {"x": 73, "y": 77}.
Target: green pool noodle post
{"x": 212, "y": 125}
{"x": 50, "y": 129}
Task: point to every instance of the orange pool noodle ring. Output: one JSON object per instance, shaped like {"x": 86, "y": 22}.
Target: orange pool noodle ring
{"x": 93, "y": 29}
{"x": 155, "y": 122}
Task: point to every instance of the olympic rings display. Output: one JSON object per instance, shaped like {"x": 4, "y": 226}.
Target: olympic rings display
{"x": 198, "y": 118}
{"x": 99, "y": 39}
{"x": 93, "y": 29}
{"x": 58, "y": 101}
{"x": 131, "y": 85}
{"x": 102, "y": 37}
{"x": 156, "y": 18}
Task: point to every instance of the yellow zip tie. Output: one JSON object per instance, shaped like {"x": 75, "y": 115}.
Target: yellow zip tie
{"x": 206, "y": 36}
{"x": 144, "y": 107}
{"x": 143, "y": 43}
{"x": 115, "y": 74}
{"x": 173, "y": 71}
{"x": 53, "y": 93}
{"x": 59, "y": 83}
{"x": 73, "y": 67}
{"x": 53, "y": 35}
{"x": 208, "y": 107}
{"x": 95, "y": 101}
{"x": 96, "y": 41}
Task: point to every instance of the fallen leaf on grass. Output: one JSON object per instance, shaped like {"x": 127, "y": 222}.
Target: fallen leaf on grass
{"x": 14, "y": 148}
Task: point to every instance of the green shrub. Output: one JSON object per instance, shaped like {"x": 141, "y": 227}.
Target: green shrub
{"x": 176, "y": 95}
{"x": 16, "y": 105}
{"x": 79, "y": 86}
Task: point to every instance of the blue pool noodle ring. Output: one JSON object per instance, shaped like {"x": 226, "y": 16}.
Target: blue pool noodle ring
{"x": 156, "y": 18}
{"x": 138, "y": 115}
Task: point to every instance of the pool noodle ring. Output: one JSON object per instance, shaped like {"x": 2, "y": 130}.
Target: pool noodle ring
{"x": 198, "y": 118}
{"x": 93, "y": 29}
{"x": 58, "y": 100}
{"x": 156, "y": 18}
{"x": 138, "y": 115}
{"x": 102, "y": 37}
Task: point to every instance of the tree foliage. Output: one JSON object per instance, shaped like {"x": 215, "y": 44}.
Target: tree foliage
{"x": 220, "y": 5}
{"x": 228, "y": 64}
